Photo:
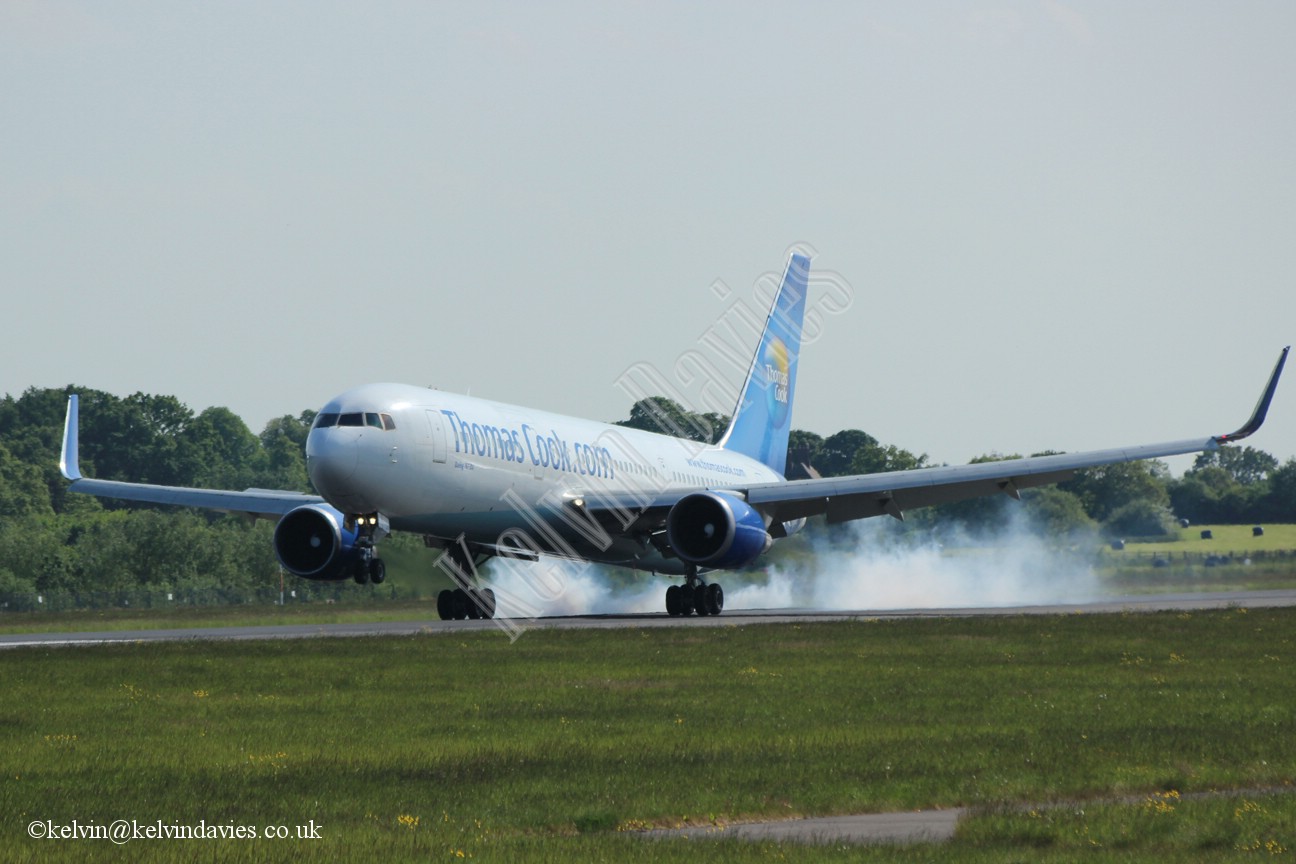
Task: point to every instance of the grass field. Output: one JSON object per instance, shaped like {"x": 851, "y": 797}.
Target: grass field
{"x": 439, "y": 747}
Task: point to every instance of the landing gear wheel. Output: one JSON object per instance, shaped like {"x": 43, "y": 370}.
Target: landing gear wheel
{"x": 459, "y": 604}
{"x": 360, "y": 572}
{"x": 700, "y": 599}
{"x": 445, "y": 605}
{"x": 377, "y": 571}
{"x": 673, "y": 601}
{"x": 714, "y": 599}
{"x": 487, "y": 603}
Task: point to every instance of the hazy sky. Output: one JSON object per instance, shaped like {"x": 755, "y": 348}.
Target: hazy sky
{"x": 1060, "y": 226}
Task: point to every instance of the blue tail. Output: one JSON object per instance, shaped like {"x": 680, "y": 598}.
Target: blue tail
{"x": 763, "y": 417}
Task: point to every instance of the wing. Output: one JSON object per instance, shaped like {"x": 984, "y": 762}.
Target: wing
{"x": 845, "y": 498}
{"x": 841, "y": 499}
{"x": 258, "y": 502}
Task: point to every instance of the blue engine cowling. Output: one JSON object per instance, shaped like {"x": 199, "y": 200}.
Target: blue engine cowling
{"x": 313, "y": 542}
{"x": 714, "y": 530}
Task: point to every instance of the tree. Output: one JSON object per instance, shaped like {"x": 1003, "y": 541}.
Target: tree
{"x": 1279, "y": 501}
{"x": 1107, "y": 488}
{"x": 1141, "y": 517}
{"x": 23, "y": 491}
{"x": 838, "y": 451}
{"x": 1058, "y": 515}
{"x": 667, "y": 417}
{"x": 877, "y": 458}
{"x": 220, "y": 452}
{"x": 1246, "y": 465}
{"x": 284, "y": 443}
{"x": 803, "y": 449}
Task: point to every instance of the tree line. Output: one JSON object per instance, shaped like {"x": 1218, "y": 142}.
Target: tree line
{"x": 52, "y": 542}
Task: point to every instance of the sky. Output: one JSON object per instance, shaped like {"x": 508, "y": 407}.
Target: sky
{"x": 1035, "y": 225}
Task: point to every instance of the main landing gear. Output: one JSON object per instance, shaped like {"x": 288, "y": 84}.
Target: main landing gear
{"x": 694, "y": 596}
{"x": 368, "y": 567}
{"x": 466, "y": 601}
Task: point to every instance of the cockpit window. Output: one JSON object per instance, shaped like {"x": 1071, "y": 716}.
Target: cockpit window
{"x": 368, "y": 418}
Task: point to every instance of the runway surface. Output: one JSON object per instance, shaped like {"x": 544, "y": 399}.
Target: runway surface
{"x": 737, "y": 618}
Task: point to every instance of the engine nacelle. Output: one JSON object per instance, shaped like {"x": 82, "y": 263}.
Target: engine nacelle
{"x": 714, "y": 530}
{"x": 313, "y": 542}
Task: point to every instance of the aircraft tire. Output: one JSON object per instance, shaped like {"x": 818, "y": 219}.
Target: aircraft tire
{"x": 487, "y": 603}
{"x": 445, "y": 604}
{"x": 459, "y": 605}
{"x": 377, "y": 571}
{"x": 360, "y": 572}
{"x": 673, "y": 601}
{"x": 699, "y": 593}
{"x": 714, "y": 599}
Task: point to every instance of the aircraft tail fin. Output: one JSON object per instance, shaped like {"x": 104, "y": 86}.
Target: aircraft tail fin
{"x": 762, "y": 418}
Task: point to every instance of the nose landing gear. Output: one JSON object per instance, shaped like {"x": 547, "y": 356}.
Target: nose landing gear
{"x": 368, "y": 567}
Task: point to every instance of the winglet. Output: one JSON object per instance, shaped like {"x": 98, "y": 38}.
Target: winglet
{"x": 69, "y": 463}
{"x": 1262, "y": 407}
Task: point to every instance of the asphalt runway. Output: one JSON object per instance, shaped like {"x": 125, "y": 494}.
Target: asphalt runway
{"x": 514, "y": 627}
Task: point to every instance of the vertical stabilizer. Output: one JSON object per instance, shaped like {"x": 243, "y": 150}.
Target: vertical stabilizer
{"x": 763, "y": 417}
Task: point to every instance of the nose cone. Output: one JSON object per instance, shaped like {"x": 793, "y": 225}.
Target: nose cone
{"x": 331, "y": 458}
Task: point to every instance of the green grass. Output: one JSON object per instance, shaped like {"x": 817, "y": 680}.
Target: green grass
{"x": 1243, "y": 562}
{"x": 1225, "y": 538}
{"x": 418, "y": 748}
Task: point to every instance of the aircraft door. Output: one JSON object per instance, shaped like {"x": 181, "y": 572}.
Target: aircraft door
{"x": 436, "y": 435}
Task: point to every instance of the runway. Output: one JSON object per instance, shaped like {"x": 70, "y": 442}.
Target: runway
{"x": 514, "y": 627}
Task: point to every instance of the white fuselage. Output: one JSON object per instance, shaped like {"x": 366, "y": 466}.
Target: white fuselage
{"x": 450, "y": 466}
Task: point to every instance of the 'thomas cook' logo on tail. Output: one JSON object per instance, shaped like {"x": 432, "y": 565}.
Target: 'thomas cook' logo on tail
{"x": 762, "y": 418}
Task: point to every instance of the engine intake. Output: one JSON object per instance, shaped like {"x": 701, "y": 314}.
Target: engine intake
{"x": 313, "y": 542}
{"x": 714, "y": 530}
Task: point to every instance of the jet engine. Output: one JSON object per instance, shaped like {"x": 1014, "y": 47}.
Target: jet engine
{"x": 313, "y": 542}
{"x": 714, "y": 530}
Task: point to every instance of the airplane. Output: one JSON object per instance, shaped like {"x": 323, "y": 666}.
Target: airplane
{"x": 479, "y": 479}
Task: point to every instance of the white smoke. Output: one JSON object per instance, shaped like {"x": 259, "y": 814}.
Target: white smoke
{"x": 875, "y": 567}
{"x": 873, "y": 564}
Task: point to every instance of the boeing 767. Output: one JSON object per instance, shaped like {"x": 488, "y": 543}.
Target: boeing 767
{"x": 480, "y": 479}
